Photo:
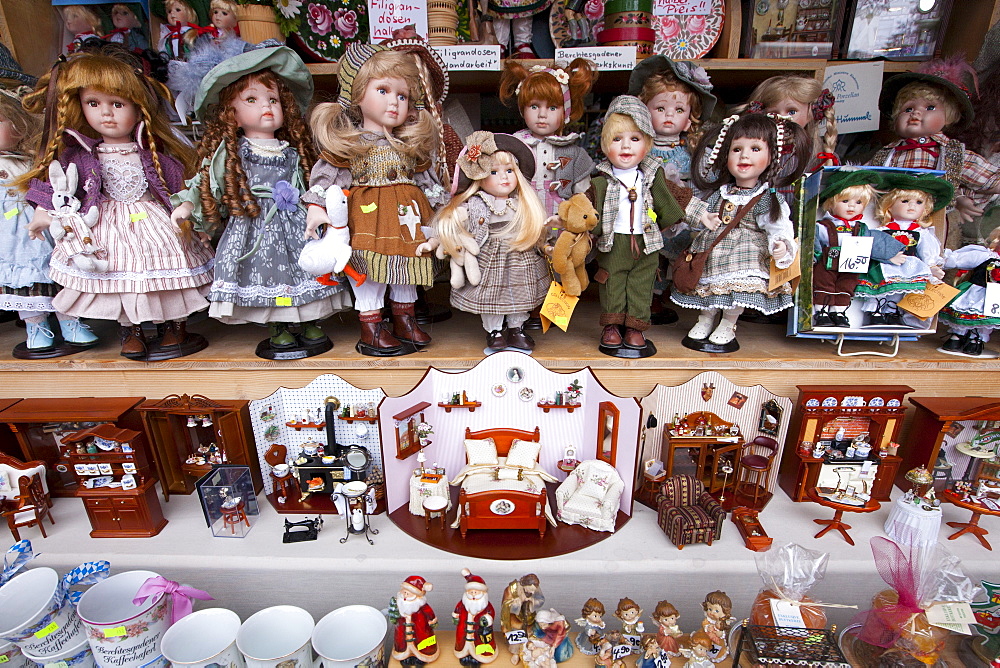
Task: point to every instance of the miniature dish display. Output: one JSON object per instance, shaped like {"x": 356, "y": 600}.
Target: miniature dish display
{"x": 327, "y": 459}
{"x": 499, "y": 390}
{"x": 355, "y": 488}
{"x": 526, "y": 394}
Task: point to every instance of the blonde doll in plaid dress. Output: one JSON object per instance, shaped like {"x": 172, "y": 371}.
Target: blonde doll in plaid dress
{"x": 499, "y": 210}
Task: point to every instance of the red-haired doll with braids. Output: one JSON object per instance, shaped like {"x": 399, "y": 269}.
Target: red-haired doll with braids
{"x": 255, "y": 164}
{"x": 548, "y": 99}
{"x": 103, "y": 115}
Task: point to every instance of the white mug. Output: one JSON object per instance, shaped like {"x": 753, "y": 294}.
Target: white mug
{"x": 351, "y": 636}
{"x": 11, "y": 656}
{"x": 35, "y": 618}
{"x": 122, "y": 634}
{"x": 203, "y": 638}
{"x": 279, "y": 634}
{"x": 79, "y": 656}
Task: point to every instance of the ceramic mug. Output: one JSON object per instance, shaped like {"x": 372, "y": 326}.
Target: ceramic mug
{"x": 78, "y": 656}
{"x": 351, "y": 636}
{"x": 203, "y": 638}
{"x": 35, "y": 617}
{"x": 11, "y": 656}
{"x": 122, "y": 634}
{"x": 277, "y": 635}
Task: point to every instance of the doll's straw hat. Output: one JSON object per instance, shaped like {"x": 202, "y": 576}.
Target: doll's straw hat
{"x": 955, "y": 75}
{"x": 281, "y": 60}
{"x": 846, "y": 178}
{"x": 936, "y": 187}
{"x": 685, "y": 72}
{"x": 476, "y": 159}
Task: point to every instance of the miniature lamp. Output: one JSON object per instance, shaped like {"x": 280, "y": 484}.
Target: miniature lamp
{"x": 206, "y": 420}
{"x": 921, "y": 479}
{"x": 191, "y": 422}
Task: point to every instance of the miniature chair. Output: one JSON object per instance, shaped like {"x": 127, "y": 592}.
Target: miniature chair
{"x": 12, "y": 469}
{"x": 31, "y": 507}
{"x": 234, "y": 516}
{"x": 687, "y": 513}
{"x": 589, "y": 496}
{"x": 755, "y": 469}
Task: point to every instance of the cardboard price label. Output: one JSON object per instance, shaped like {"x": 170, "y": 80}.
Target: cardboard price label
{"x": 779, "y": 277}
{"x": 470, "y": 57}
{"x": 925, "y": 304}
{"x": 557, "y": 308}
{"x": 516, "y": 637}
{"x": 621, "y": 651}
{"x": 991, "y": 305}
{"x": 605, "y": 57}
{"x": 682, "y": 7}
{"x": 855, "y": 254}
{"x": 786, "y": 614}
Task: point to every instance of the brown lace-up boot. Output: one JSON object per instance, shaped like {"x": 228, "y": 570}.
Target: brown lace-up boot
{"x": 404, "y": 324}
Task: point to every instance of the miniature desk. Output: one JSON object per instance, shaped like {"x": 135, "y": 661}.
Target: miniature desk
{"x": 972, "y": 526}
{"x": 421, "y": 488}
{"x": 838, "y": 518}
{"x": 707, "y": 447}
{"x": 908, "y": 523}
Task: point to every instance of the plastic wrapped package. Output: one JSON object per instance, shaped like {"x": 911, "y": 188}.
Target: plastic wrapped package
{"x": 789, "y": 572}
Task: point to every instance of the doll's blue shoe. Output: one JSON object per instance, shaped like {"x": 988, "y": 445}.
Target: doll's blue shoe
{"x": 39, "y": 336}
{"x": 76, "y": 333}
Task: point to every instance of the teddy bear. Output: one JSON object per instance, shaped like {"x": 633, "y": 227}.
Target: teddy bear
{"x": 578, "y": 217}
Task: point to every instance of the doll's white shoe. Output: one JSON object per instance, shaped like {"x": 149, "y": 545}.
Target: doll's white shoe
{"x": 704, "y": 326}
{"x": 75, "y": 332}
{"x": 39, "y": 336}
{"x": 724, "y": 333}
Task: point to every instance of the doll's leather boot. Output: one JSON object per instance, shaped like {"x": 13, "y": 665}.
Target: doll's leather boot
{"x": 376, "y": 336}
{"x": 518, "y": 338}
{"x": 404, "y": 324}
{"x": 133, "y": 341}
{"x": 174, "y": 333}
{"x": 611, "y": 337}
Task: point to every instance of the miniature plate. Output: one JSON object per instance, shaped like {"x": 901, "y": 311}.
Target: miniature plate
{"x": 893, "y": 403}
{"x": 812, "y": 402}
{"x": 502, "y": 507}
{"x": 271, "y": 433}
{"x": 684, "y": 37}
{"x": 499, "y": 390}
{"x": 854, "y": 402}
{"x": 526, "y": 394}
{"x": 515, "y": 374}
{"x": 830, "y": 402}
{"x": 876, "y": 401}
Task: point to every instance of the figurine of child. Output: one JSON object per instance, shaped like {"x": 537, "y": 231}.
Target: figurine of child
{"x": 592, "y": 621}
{"x": 129, "y": 30}
{"x": 717, "y": 607}
{"x": 651, "y": 655}
{"x": 629, "y": 614}
{"x": 905, "y": 213}
{"x": 843, "y": 202}
{"x": 698, "y": 652}
{"x": 667, "y": 631}
{"x": 83, "y": 23}
{"x": 808, "y": 104}
{"x": 635, "y": 203}
{"x": 969, "y": 325}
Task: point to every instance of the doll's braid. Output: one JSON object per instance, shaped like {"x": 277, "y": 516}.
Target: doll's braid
{"x": 44, "y": 160}
{"x": 430, "y": 103}
{"x": 152, "y": 147}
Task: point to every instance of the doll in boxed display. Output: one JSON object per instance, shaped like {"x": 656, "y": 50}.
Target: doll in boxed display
{"x": 923, "y": 105}
{"x": 224, "y": 18}
{"x": 843, "y": 202}
{"x": 805, "y": 101}
{"x": 717, "y": 607}
{"x": 667, "y": 630}
{"x": 156, "y": 272}
{"x": 413, "y": 620}
{"x": 500, "y": 211}
{"x": 969, "y": 325}
{"x": 905, "y": 213}
{"x": 83, "y": 23}
{"x": 127, "y": 18}
{"x": 25, "y": 285}
{"x": 741, "y": 226}
{"x": 635, "y": 202}
{"x": 378, "y": 140}
{"x": 548, "y": 99}
{"x": 180, "y": 30}
{"x": 255, "y": 157}
{"x": 592, "y": 621}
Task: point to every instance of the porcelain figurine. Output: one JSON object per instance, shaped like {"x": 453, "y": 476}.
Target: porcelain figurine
{"x": 592, "y": 621}
{"x": 667, "y": 630}
{"x": 717, "y": 607}
{"x": 413, "y": 620}
{"x": 473, "y": 617}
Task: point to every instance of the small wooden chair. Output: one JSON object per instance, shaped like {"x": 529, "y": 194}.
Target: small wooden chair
{"x": 31, "y": 506}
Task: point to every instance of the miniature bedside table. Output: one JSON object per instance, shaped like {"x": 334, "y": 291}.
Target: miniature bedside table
{"x": 838, "y": 518}
{"x": 972, "y": 526}
{"x": 426, "y": 485}
{"x": 909, "y": 523}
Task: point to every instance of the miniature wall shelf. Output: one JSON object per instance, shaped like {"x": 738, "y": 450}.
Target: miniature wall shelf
{"x": 569, "y": 408}
{"x": 367, "y": 418}
{"x": 470, "y": 406}
{"x": 297, "y": 426}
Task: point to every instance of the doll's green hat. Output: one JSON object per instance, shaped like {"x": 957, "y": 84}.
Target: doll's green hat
{"x": 935, "y": 186}
{"x": 954, "y": 75}
{"x": 281, "y": 60}
{"x": 846, "y": 178}
{"x": 682, "y": 70}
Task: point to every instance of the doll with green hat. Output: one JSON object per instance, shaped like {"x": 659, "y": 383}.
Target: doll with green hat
{"x": 843, "y": 201}
{"x": 255, "y": 159}
{"x": 904, "y": 212}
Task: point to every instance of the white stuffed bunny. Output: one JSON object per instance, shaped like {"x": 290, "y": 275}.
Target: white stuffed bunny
{"x": 69, "y": 229}
{"x": 463, "y": 267}
{"x": 330, "y": 254}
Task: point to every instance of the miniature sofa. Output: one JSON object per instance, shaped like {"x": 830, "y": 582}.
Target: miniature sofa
{"x": 590, "y": 495}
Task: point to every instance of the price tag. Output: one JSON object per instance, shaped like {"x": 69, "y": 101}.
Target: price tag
{"x": 991, "y": 305}
{"x": 51, "y": 628}
{"x": 57, "y": 664}
{"x": 136, "y": 217}
{"x": 950, "y": 613}
{"x": 855, "y": 254}
{"x": 384, "y": 16}
{"x": 786, "y": 614}
{"x": 516, "y": 637}
{"x": 682, "y": 7}
{"x": 620, "y": 651}
{"x": 282, "y": 301}
{"x": 114, "y": 632}
{"x": 605, "y": 57}
{"x": 8, "y": 215}
{"x": 4, "y": 658}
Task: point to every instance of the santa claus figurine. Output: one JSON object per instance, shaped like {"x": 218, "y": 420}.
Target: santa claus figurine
{"x": 414, "y": 643}
{"x": 473, "y": 617}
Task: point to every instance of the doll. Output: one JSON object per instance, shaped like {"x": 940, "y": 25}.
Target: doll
{"x": 592, "y": 621}
{"x": 923, "y": 105}
{"x": 905, "y": 213}
{"x": 635, "y": 202}
{"x": 548, "y": 99}
{"x": 83, "y": 23}
{"x": 378, "y": 139}
{"x": 667, "y": 631}
{"x": 129, "y": 31}
{"x": 181, "y": 29}
{"x": 843, "y": 202}
{"x": 500, "y": 211}
{"x": 255, "y": 157}
{"x": 736, "y": 272}
{"x": 969, "y": 326}
{"x": 156, "y": 273}
{"x": 515, "y": 16}
{"x": 24, "y": 263}
{"x": 698, "y": 652}
{"x": 629, "y": 613}
{"x": 717, "y": 607}
{"x": 224, "y": 18}
{"x": 678, "y": 95}
{"x": 805, "y": 101}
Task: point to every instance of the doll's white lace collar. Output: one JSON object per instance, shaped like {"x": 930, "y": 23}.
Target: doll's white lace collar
{"x": 493, "y": 204}
{"x": 740, "y": 196}
{"x": 556, "y": 140}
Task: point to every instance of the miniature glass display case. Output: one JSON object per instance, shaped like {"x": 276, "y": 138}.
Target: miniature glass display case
{"x": 228, "y": 501}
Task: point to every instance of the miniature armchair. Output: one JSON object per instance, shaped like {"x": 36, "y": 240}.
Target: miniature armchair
{"x": 589, "y": 496}
{"x": 687, "y": 513}
{"x": 12, "y": 469}
{"x": 30, "y": 507}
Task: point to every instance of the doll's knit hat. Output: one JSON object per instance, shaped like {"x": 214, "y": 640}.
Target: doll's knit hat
{"x": 845, "y": 178}
{"x": 631, "y": 106}
{"x": 281, "y": 60}
{"x": 435, "y": 65}
{"x": 11, "y": 72}
{"x": 356, "y": 55}
{"x": 476, "y": 159}
{"x": 682, "y": 70}
{"x": 935, "y": 186}
{"x": 954, "y": 75}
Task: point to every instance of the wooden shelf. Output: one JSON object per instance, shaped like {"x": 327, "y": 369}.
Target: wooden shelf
{"x": 569, "y": 408}
{"x": 471, "y": 406}
{"x": 373, "y": 418}
{"x": 298, "y": 426}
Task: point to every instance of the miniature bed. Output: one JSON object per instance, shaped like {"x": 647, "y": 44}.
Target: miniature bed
{"x": 502, "y": 486}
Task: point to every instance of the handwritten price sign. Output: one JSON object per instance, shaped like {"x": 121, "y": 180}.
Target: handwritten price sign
{"x": 387, "y": 15}
{"x": 991, "y": 307}
{"x": 516, "y": 637}
{"x": 682, "y": 7}
{"x": 855, "y": 254}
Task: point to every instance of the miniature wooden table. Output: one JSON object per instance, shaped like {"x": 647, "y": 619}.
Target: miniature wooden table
{"x": 703, "y": 444}
{"x": 838, "y": 518}
{"x": 972, "y": 526}
{"x": 423, "y": 486}
{"x": 973, "y": 454}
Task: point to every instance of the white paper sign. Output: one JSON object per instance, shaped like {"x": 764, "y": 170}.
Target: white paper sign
{"x": 955, "y": 616}
{"x": 855, "y": 253}
{"x": 620, "y": 651}
{"x": 517, "y": 637}
{"x": 470, "y": 57}
{"x": 682, "y": 7}
{"x": 786, "y": 614}
{"x": 991, "y": 305}
{"x": 384, "y": 16}
{"x": 605, "y": 57}
{"x": 856, "y": 88}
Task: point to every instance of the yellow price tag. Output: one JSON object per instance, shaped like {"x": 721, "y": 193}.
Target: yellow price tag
{"x": 114, "y": 632}
{"x": 8, "y": 215}
{"x": 51, "y": 628}
{"x": 57, "y": 664}
{"x": 651, "y": 214}
{"x": 140, "y": 215}
{"x": 427, "y": 642}
{"x": 368, "y": 208}
{"x": 282, "y": 301}
{"x": 4, "y": 658}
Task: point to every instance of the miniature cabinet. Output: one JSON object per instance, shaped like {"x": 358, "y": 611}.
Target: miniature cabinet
{"x": 41, "y": 424}
{"x": 191, "y": 434}
{"x": 826, "y": 411}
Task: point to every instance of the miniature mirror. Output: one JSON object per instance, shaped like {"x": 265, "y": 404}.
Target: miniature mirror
{"x": 770, "y": 418}
{"x": 607, "y": 436}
